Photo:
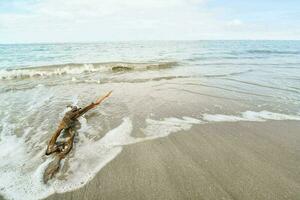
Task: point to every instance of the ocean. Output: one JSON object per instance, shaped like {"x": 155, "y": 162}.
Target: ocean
{"x": 159, "y": 88}
{"x": 260, "y": 70}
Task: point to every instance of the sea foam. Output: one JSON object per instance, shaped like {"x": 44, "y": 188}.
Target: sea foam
{"x": 162, "y": 128}
{"x": 249, "y": 116}
{"x": 21, "y": 174}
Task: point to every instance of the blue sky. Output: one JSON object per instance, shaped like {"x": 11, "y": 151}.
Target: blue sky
{"x": 24, "y": 21}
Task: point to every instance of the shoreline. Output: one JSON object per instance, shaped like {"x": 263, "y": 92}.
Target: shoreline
{"x": 240, "y": 160}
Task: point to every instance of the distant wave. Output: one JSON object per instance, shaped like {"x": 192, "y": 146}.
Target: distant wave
{"x": 245, "y": 54}
{"x": 213, "y": 58}
{"x": 287, "y": 65}
{"x": 261, "y": 51}
{"x": 229, "y": 74}
{"x": 78, "y": 68}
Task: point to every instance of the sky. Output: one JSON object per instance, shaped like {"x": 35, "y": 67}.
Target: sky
{"x": 35, "y": 21}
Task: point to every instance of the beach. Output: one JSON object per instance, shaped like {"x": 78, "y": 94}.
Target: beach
{"x": 244, "y": 160}
{"x": 186, "y": 120}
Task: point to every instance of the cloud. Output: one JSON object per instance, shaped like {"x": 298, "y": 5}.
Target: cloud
{"x": 235, "y": 23}
{"x": 98, "y": 20}
{"x": 69, "y": 20}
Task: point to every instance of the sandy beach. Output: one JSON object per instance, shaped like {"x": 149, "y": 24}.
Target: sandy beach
{"x": 240, "y": 160}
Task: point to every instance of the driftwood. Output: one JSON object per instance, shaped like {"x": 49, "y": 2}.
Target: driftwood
{"x": 61, "y": 149}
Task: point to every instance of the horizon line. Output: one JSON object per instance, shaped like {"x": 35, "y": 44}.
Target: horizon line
{"x": 112, "y": 41}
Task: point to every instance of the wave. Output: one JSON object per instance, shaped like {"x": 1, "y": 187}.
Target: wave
{"x": 79, "y": 68}
{"x": 262, "y": 85}
{"x": 258, "y": 51}
{"x": 276, "y": 65}
{"x": 229, "y": 74}
{"x": 36, "y": 84}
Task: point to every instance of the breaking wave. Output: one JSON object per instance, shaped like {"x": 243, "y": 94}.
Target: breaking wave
{"x": 79, "y": 68}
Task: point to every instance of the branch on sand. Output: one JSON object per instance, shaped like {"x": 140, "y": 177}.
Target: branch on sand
{"x": 61, "y": 149}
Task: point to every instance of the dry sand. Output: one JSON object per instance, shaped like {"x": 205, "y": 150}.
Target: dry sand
{"x": 240, "y": 160}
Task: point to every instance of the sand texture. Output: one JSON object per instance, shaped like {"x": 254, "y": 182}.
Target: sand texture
{"x": 241, "y": 160}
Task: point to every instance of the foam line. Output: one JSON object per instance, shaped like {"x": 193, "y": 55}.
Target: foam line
{"x": 249, "y": 116}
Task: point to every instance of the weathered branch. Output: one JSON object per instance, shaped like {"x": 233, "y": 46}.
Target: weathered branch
{"x": 62, "y": 149}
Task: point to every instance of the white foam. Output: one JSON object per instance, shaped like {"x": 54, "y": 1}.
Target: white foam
{"x": 266, "y": 115}
{"x": 221, "y": 118}
{"x": 45, "y": 72}
{"x": 249, "y": 116}
{"x": 21, "y": 174}
{"x": 91, "y": 156}
{"x": 120, "y": 135}
{"x": 163, "y": 128}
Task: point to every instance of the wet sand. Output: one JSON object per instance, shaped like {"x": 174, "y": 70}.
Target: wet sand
{"x": 239, "y": 160}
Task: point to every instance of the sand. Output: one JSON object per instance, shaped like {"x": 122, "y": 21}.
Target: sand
{"x": 240, "y": 160}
